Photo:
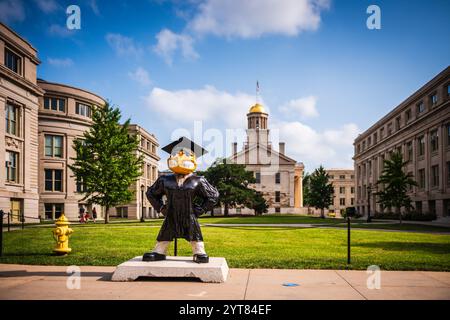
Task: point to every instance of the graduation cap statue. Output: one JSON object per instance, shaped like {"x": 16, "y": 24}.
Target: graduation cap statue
{"x": 183, "y": 155}
{"x": 179, "y": 209}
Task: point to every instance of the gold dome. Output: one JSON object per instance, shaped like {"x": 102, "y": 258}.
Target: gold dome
{"x": 257, "y": 108}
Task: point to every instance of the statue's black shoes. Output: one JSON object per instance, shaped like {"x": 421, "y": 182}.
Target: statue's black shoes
{"x": 153, "y": 256}
{"x": 201, "y": 258}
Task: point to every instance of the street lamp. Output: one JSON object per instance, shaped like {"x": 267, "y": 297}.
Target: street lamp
{"x": 142, "y": 202}
{"x": 369, "y": 192}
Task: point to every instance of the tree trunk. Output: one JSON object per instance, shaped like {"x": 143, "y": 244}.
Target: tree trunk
{"x": 107, "y": 215}
{"x": 212, "y": 212}
{"x": 322, "y": 213}
{"x": 399, "y": 215}
{"x": 226, "y": 210}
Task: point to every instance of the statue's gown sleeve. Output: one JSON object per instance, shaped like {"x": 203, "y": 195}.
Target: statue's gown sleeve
{"x": 155, "y": 194}
{"x": 209, "y": 195}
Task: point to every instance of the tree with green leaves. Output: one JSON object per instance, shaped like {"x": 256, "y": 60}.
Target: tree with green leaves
{"x": 231, "y": 180}
{"x": 306, "y": 190}
{"x": 395, "y": 184}
{"x": 107, "y": 162}
{"x": 321, "y": 191}
{"x": 257, "y": 203}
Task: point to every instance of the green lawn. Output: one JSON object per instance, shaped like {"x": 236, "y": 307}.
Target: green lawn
{"x": 270, "y": 219}
{"x": 243, "y": 247}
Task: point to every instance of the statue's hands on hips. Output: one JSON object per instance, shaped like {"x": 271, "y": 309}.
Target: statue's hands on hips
{"x": 198, "y": 210}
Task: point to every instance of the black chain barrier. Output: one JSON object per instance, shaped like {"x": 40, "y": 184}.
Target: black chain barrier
{"x": 10, "y": 216}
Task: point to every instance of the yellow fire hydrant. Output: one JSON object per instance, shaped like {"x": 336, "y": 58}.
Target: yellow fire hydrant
{"x": 61, "y": 234}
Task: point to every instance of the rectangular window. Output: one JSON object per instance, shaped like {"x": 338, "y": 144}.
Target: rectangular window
{"x": 80, "y": 185}
{"x": 352, "y": 201}
{"x": 13, "y": 61}
{"x": 83, "y": 110}
{"x": 342, "y": 201}
{"x": 381, "y": 133}
{"x": 434, "y": 140}
{"x": 258, "y": 177}
{"x": 148, "y": 146}
{"x": 363, "y": 146}
{"x": 55, "y": 104}
{"x": 435, "y": 176}
{"x": 370, "y": 168}
{"x": 398, "y": 123}
{"x": 331, "y": 177}
{"x": 421, "y": 145}
{"x": 149, "y": 171}
{"x": 11, "y": 163}
{"x": 53, "y": 210}
{"x": 420, "y": 107}
{"x": 448, "y": 134}
{"x": 342, "y": 177}
{"x": 409, "y": 151}
{"x": 53, "y": 180}
{"x": 352, "y": 190}
{"x": 448, "y": 173}
{"x": 408, "y": 115}
{"x": 277, "y": 196}
{"x": 375, "y": 138}
{"x": 342, "y": 190}
{"x": 53, "y": 146}
{"x": 389, "y": 129}
{"x": 369, "y": 141}
{"x": 12, "y": 119}
{"x": 433, "y": 99}
{"x": 277, "y": 177}
{"x": 277, "y": 210}
{"x": 142, "y": 142}
{"x": 421, "y": 177}
{"x": 352, "y": 177}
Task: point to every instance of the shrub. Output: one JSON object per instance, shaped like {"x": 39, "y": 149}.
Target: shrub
{"x": 409, "y": 216}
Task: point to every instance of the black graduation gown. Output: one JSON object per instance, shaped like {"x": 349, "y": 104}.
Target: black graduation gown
{"x": 180, "y": 211}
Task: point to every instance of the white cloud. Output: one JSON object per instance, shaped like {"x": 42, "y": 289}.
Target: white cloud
{"x": 94, "y": 6}
{"x": 60, "y": 31}
{"x": 47, "y": 6}
{"x": 206, "y": 104}
{"x": 60, "y": 62}
{"x": 332, "y": 148}
{"x": 141, "y": 76}
{"x": 123, "y": 46}
{"x": 254, "y": 18}
{"x": 11, "y": 11}
{"x": 169, "y": 42}
{"x": 305, "y": 107}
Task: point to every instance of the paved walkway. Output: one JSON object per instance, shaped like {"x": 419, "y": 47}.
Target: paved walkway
{"x": 50, "y": 282}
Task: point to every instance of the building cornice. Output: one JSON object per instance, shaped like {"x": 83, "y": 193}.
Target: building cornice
{"x": 406, "y": 103}
{"x": 21, "y": 81}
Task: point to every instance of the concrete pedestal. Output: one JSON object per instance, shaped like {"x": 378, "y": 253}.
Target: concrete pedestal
{"x": 182, "y": 267}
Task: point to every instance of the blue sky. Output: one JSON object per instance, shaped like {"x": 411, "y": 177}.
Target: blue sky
{"x": 324, "y": 76}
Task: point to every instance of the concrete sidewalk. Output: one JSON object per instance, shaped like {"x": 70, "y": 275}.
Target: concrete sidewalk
{"x": 50, "y": 282}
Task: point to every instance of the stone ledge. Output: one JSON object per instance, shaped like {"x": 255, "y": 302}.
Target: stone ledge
{"x": 178, "y": 267}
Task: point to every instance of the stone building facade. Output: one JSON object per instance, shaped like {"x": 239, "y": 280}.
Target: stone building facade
{"x": 42, "y": 119}
{"x": 65, "y": 113}
{"x": 278, "y": 177}
{"x": 419, "y": 128}
{"x": 19, "y": 104}
{"x": 343, "y": 181}
{"x": 148, "y": 147}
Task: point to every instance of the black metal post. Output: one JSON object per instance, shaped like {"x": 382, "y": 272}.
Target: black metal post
{"x": 348, "y": 240}
{"x": 175, "y": 248}
{"x": 9, "y": 222}
{"x": 369, "y": 218}
{"x": 1, "y": 233}
{"x": 23, "y": 221}
{"x": 142, "y": 204}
